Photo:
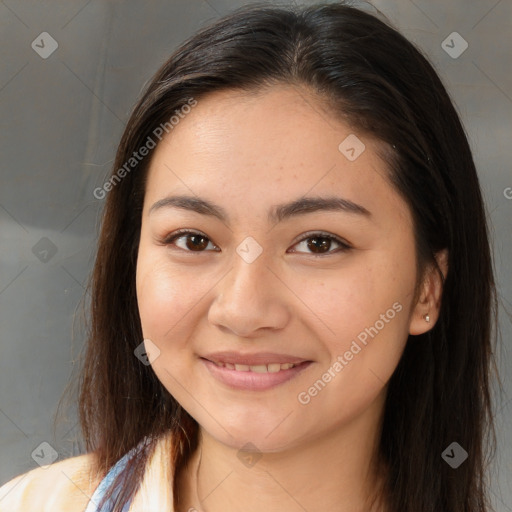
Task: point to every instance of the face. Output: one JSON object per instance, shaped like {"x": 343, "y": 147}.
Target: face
{"x": 268, "y": 241}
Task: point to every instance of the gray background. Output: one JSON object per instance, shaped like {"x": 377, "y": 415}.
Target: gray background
{"x": 61, "y": 118}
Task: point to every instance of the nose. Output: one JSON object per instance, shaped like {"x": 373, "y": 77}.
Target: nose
{"x": 250, "y": 300}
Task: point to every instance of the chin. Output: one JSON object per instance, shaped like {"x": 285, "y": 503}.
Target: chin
{"x": 248, "y": 438}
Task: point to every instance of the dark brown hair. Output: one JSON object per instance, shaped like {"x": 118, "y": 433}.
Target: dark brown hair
{"x": 368, "y": 74}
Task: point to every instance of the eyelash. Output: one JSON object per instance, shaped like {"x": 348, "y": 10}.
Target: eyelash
{"x": 181, "y": 233}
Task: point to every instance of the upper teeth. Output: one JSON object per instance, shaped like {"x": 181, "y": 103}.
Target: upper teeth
{"x": 259, "y": 368}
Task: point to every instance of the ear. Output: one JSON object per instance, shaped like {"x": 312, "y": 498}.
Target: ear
{"x": 429, "y": 300}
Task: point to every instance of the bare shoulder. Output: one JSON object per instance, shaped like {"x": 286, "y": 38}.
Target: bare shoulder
{"x": 66, "y": 485}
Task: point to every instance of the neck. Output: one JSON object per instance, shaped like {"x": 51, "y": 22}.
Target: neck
{"x": 335, "y": 471}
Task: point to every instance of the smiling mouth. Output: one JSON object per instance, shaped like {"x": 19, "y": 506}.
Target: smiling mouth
{"x": 258, "y": 368}
{"x": 254, "y": 377}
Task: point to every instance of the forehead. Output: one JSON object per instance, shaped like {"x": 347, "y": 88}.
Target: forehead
{"x": 267, "y": 145}
{"x": 283, "y": 122}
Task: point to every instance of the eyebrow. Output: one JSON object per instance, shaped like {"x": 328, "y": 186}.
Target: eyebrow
{"x": 276, "y": 214}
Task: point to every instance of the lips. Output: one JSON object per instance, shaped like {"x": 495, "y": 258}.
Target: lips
{"x": 254, "y": 377}
{"x": 259, "y": 359}
{"x": 259, "y": 368}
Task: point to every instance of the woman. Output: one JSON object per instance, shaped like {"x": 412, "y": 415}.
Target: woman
{"x": 293, "y": 296}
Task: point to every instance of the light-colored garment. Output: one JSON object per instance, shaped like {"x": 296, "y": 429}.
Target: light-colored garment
{"x": 71, "y": 485}
{"x": 64, "y": 486}
{"x": 29, "y": 491}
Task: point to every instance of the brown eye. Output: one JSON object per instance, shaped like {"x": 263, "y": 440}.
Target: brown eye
{"x": 196, "y": 242}
{"x": 321, "y": 244}
{"x": 189, "y": 241}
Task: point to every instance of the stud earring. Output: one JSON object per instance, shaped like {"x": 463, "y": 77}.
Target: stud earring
{"x": 427, "y": 318}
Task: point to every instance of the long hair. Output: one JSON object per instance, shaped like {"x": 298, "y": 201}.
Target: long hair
{"x": 367, "y": 74}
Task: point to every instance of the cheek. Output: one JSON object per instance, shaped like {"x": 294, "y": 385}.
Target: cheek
{"x": 362, "y": 310}
{"x": 366, "y": 310}
{"x": 351, "y": 298}
{"x": 165, "y": 299}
